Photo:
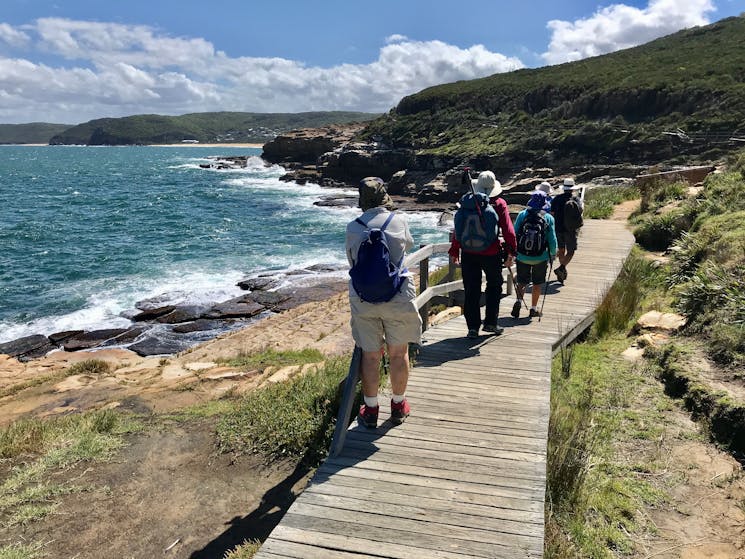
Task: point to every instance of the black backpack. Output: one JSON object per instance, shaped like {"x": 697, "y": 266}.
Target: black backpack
{"x": 531, "y": 237}
{"x": 374, "y": 277}
{"x": 572, "y": 214}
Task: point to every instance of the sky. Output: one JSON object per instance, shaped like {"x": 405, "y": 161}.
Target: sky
{"x": 70, "y": 61}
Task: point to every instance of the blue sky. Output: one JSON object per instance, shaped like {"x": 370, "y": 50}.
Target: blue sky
{"x": 74, "y": 60}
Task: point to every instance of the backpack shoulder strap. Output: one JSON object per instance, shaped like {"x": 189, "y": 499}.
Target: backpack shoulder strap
{"x": 358, "y": 220}
{"x": 387, "y": 221}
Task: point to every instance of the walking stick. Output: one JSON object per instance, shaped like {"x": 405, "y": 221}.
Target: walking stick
{"x": 545, "y": 286}
{"x": 514, "y": 283}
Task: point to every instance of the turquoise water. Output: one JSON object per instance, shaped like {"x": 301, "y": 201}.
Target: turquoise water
{"x": 85, "y": 232}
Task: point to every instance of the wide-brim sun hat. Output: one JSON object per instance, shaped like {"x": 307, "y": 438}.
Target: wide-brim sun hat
{"x": 537, "y": 200}
{"x": 487, "y": 184}
{"x": 373, "y": 193}
{"x": 569, "y": 185}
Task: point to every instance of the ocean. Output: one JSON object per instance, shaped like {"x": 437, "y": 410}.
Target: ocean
{"x": 86, "y": 232}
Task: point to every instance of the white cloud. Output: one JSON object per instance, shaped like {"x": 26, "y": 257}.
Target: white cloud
{"x": 619, "y": 26}
{"x": 396, "y": 38}
{"x": 13, "y": 37}
{"x": 110, "y": 69}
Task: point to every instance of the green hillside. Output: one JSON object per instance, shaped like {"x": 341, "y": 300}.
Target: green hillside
{"x": 204, "y": 127}
{"x": 679, "y": 96}
{"x": 32, "y": 133}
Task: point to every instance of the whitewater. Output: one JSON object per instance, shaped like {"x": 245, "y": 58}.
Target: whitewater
{"x": 86, "y": 232}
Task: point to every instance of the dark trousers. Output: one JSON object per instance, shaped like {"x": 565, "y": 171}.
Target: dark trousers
{"x": 472, "y": 265}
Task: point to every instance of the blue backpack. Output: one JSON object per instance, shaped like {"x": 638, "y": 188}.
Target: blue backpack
{"x": 476, "y": 233}
{"x": 374, "y": 277}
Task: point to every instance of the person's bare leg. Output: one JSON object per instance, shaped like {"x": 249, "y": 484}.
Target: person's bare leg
{"x": 398, "y": 356}
{"x": 567, "y": 257}
{"x": 370, "y": 372}
{"x": 535, "y": 295}
{"x": 562, "y": 253}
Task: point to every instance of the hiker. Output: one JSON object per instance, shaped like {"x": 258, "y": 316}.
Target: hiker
{"x": 480, "y": 251}
{"x": 567, "y": 211}
{"x": 383, "y": 309}
{"x": 545, "y": 187}
{"x": 536, "y": 247}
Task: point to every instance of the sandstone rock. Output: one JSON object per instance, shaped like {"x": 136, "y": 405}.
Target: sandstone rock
{"x": 655, "y": 320}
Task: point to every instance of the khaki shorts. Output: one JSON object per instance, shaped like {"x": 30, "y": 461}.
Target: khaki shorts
{"x": 396, "y": 322}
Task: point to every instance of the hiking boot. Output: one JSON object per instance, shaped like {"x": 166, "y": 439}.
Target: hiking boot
{"x": 368, "y": 416}
{"x": 472, "y": 334}
{"x": 400, "y": 411}
{"x": 493, "y": 328}
{"x": 534, "y": 313}
{"x": 516, "y": 310}
{"x": 561, "y": 274}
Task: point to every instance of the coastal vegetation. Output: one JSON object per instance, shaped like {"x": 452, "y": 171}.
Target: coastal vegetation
{"x": 218, "y": 127}
{"x": 684, "y": 100}
{"x": 32, "y": 133}
{"x": 610, "y": 437}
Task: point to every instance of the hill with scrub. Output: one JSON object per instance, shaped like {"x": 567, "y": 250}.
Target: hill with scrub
{"x": 215, "y": 127}
{"x": 31, "y": 133}
{"x": 674, "y": 99}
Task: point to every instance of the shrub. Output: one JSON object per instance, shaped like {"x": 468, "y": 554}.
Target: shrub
{"x": 657, "y": 193}
{"x": 659, "y": 231}
{"x": 89, "y": 367}
{"x": 288, "y": 419}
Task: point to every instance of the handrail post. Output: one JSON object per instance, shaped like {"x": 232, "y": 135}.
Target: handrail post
{"x": 347, "y": 401}
{"x": 423, "y": 284}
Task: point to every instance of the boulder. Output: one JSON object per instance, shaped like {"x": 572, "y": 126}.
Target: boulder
{"x": 185, "y": 313}
{"x": 256, "y": 284}
{"x": 199, "y": 325}
{"x": 58, "y": 337}
{"x": 28, "y": 347}
{"x": 158, "y": 346}
{"x": 234, "y": 309}
{"x": 153, "y": 313}
{"x": 94, "y": 338}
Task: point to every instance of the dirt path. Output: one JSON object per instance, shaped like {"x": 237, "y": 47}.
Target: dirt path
{"x": 167, "y": 486}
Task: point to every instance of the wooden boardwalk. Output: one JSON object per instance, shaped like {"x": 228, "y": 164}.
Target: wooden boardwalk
{"x": 465, "y": 475}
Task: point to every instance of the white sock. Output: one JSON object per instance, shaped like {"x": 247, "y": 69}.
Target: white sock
{"x": 398, "y": 398}
{"x": 532, "y": 308}
{"x": 371, "y": 401}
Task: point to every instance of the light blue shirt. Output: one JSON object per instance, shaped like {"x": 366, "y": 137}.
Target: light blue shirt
{"x": 550, "y": 237}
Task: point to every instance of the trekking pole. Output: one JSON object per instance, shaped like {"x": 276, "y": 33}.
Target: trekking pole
{"x": 475, "y": 201}
{"x": 514, "y": 283}
{"x": 545, "y": 286}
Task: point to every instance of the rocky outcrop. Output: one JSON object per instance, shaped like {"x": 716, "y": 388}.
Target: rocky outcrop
{"x": 308, "y": 144}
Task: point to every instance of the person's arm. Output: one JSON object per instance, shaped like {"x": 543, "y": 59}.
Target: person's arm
{"x": 454, "y": 250}
{"x": 551, "y": 236}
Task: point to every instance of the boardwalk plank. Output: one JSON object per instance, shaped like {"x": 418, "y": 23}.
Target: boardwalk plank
{"x": 464, "y": 476}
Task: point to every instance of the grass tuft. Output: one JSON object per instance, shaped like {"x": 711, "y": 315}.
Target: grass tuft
{"x": 288, "y": 419}
{"x": 272, "y": 358}
{"x": 246, "y": 550}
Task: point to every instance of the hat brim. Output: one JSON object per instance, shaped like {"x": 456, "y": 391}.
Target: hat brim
{"x": 575, "y": 187}
{"x": 496, "y": 191}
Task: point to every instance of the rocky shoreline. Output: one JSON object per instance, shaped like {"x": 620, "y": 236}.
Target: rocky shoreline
{"x": 334, "y": 157}
{"x": 164, "y": 328}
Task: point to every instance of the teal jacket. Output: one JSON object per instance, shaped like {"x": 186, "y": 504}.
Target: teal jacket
{"x": 550, "y": 237}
